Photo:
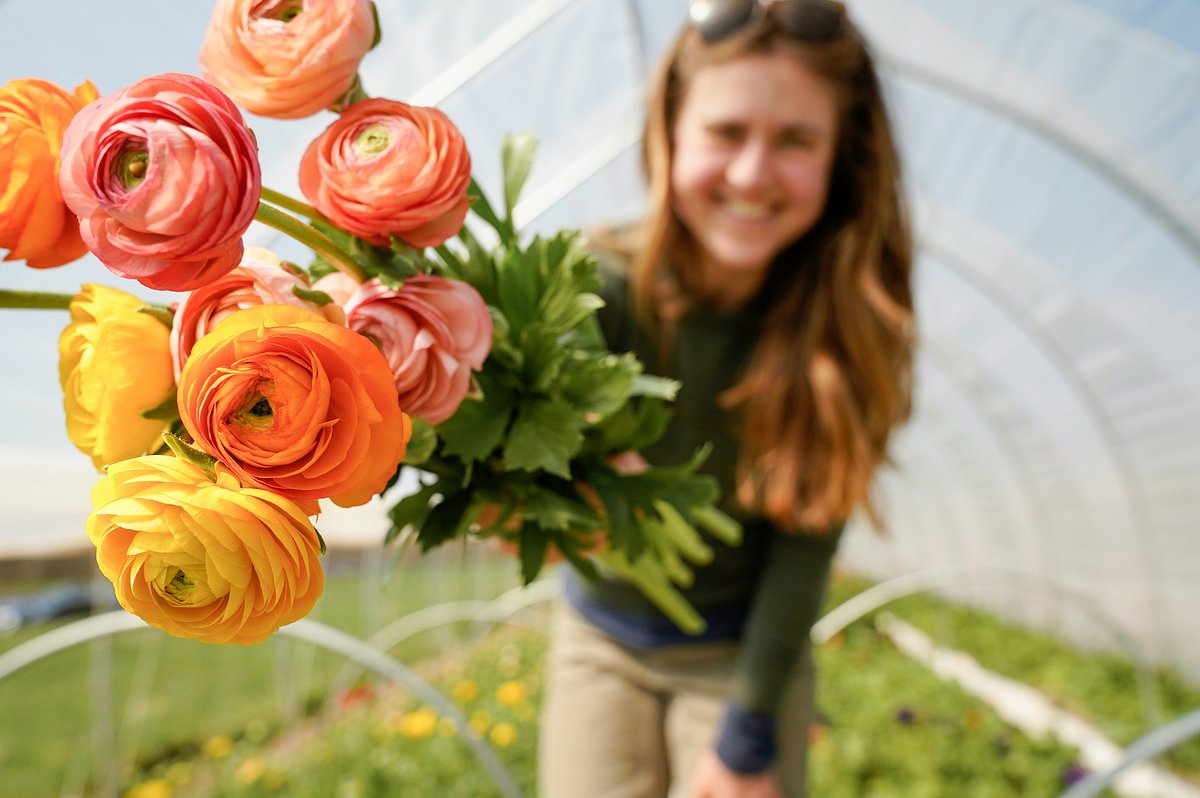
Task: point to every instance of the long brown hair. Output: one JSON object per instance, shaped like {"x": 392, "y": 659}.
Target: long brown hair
{"x": 831, "y": 376}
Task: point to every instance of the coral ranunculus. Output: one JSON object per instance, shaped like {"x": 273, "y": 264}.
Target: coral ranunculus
{"x": 295, "y": 404}
{"x": 199, "y": 556}
{"x": 433, "y": 332}
{"x": 35, "y": 224}
{"x": 385, "y": 168}
{"x": 260, "y": 279}
{"x": 165, "y": 179}
{"x": 114, "y": 363}
{"x": 285, "y": 58}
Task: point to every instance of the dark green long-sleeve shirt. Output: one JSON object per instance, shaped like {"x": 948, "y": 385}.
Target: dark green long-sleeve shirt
{"x": 767, "y": 591}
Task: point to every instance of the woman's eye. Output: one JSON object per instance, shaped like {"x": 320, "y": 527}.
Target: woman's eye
{"x": 728, "y": 133}
{"x": 797, "y": 139}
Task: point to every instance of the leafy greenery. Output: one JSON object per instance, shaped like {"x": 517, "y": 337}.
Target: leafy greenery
{"x": 529, "y": 457}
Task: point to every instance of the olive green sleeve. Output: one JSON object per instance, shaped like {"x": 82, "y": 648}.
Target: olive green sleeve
{"x": 785, "y": 606}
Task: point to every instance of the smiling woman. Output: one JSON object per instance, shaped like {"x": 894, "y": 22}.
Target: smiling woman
{"x": 754, "y": 146}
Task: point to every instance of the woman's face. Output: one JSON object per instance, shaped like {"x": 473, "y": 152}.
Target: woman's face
{"x": 753, "y": 150}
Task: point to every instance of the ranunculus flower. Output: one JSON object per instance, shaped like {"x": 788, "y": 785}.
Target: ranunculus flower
{"x": 200, "y": 556}
{"x": 35, "y": 224}
{"x": 114, "y": 362}
{"x": 164, "y": 177}
{"x": 286, "y": 58}
{"x": 386, "y": 169}
{"x": 295, "y": 404}
{"x": 433, "y": 332}
{"x": 260, "y": 279}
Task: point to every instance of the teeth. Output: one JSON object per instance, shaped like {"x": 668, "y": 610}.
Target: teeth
{"x": 748, "y": 209}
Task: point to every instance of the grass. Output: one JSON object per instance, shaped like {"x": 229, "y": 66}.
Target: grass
{"x": 199, "y": 721}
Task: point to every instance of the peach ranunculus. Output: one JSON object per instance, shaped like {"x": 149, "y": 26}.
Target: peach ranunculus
{"x": 287, "y": 58}
{"x": 385, "y": 168}
{"x": 165, "y": 179}
{"x": 433, "y": 331}
{"x": 199, "y": 556}
{"x": 35, "y": 224}
{"x": 114, "y": 363}
{"x": 295, "y": 404}
{"x": 260, "y": 279}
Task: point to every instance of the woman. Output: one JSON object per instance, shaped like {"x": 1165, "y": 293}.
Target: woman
{"x": 771, "y": 276}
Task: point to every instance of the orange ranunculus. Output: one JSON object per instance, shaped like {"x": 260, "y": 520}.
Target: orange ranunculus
{"x": 114, "y": 362}
{"x": 385, "y": 168}
{"x": 200, "y": 556}
{"x": 260, "y": 279}
{"x": 35, "y": 224}
{"x": 286, "y": 59}
{"x": 295, "y": 404}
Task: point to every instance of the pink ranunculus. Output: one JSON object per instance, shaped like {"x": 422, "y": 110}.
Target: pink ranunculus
{"x": 164, "y": 178}
{"x": 433, "y": 331}
{"x": 260, "y": 279}
{"x": 286, "y": 58}
{"x": 385, "y": 168}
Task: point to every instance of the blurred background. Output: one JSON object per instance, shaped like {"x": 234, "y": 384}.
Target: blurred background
{"x": 1051, "y": 473}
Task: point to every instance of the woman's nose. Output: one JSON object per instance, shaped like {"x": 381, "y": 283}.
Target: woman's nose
{"x": 750, "y": 166}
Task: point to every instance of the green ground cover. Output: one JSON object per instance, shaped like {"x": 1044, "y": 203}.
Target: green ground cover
{"x": 217, "y": 722}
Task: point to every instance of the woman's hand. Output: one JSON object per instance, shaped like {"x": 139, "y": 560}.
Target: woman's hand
{"x": 714, "y": 780}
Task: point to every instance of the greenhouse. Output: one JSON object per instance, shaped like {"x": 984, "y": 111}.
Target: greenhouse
{"x": 1023, "y": 624}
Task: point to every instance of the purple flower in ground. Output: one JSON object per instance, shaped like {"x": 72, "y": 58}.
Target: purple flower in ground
{"x": 906, "y": 716}
{"x": 1074, "y": 773}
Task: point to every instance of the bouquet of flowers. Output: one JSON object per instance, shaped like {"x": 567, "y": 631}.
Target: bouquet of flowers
{"x": 220, "y": 422}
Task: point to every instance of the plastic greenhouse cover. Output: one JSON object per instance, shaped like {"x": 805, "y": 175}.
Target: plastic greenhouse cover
{"x": 1051, "y": 153}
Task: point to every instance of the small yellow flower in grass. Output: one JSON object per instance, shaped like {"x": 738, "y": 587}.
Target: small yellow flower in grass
{"x": 218, "y": 747}
{"x": 273, "y": 779}
{"x": 447, "y": 727}
{"x": 465, "y": 691}
{"x": 179, "y": 773}
{"x": 512, "y": 693}
{"x": 250, "y": 770}
{"x": 154, "y": 788}
{"x": 503, "y": 735}
{"x": 480, "y": 721}
{"x": 418, "y": 724}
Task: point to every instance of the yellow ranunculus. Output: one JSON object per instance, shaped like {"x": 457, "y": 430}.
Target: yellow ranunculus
{"x": 113, "y": 363}
{"x": 35, "y": 225}
{"x": 200, "y": 556}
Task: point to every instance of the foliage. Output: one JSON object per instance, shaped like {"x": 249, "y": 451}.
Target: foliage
{"x": 530, "y": 457}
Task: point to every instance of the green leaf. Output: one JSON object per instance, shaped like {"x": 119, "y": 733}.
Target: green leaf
{"x": 519, "y": 289}
{"x": 532, "y": 544}
{"x": 655, "y": 387}
{"x": 545, "y": 436}
{"x": 543, "y": 359}
{"x": 599, "y": 385}
{"x": 167, "y": 410}
{"x": 422, "y": 443}
{"x": 580, "y": 559}
{"x": 476, "y": 428}
{"x": 411, "y": 510}
{"x": 551, "y": 510}
{"x": 448, "y": 519}
{"x": 516, "y": 158}
{"x": 319, "y": 298}
{"x": 483, "y": 209}
{"x": 634, "y": 427}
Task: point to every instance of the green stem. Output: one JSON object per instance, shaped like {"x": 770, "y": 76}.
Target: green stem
{"x": 39, "y": 300}
{"x": 312, "y": 238}
{"x": 292, "y": 204}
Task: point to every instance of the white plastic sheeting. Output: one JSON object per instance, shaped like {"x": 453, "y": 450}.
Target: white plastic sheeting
{"x": 1053, "y": 155}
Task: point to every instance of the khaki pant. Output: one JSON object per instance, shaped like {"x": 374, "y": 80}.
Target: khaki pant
{"x": 623, "y": 723}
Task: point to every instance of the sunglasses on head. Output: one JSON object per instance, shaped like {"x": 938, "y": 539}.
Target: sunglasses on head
{"x": 807, "y": 20}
